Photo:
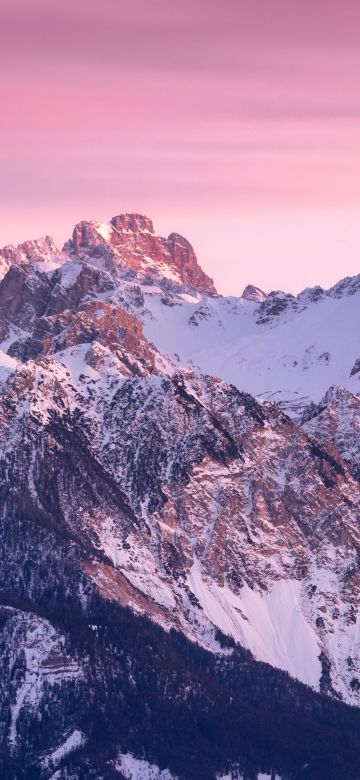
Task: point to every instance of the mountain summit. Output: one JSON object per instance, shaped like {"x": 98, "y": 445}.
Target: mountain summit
{"x": 128, "y": 242}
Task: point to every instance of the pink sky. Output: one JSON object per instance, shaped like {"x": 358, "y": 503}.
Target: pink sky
{"x": 236, "y": 123}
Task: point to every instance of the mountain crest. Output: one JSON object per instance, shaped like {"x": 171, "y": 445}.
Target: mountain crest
{"x": 40, "y": 250}
{"x": 135, "y": 223}
{"x": 128, "y": 244}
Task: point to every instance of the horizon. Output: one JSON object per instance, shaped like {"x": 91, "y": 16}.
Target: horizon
{"x": 60, "y": 241}
{"x": 235, "y": 125}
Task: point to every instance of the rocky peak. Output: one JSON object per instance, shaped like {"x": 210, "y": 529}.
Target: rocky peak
{"x": 252, "y": 293}
{"x": 348, "y": 286}
{"x": 128, "y": 244}
{"x": 41, "y": 250}
{"x": 135, "y": 223}
{"x": 275, "y": 304}
{"x": 87, "y": 240}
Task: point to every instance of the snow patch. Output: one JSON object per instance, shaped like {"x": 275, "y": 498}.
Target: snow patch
{"x": 69, "y": 274}
{"x": 74, "y": 359}
{"x": 271, "y": 625}
{"x": 105, "y": 230}
{"x": 48, "y": 266}
{"x": 136, "y": 769}
{"x": 74, "y": 741}
{"x": 8, "y": 366}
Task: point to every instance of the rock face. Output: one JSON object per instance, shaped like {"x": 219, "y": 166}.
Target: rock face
{"x": 335, "y": 423}
{"x": 128, "y": 242}
{"x": 252, "y": 293}
{"x": 42, "y": 251}
{"x": 110, "y": 327}
{"x": 180, "y": 561}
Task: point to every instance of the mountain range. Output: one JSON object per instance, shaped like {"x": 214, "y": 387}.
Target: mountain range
{"x": 180, "y": 568}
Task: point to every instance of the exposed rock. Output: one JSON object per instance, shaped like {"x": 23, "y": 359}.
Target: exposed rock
{"x": 75, "y": 282}
{"x": 356, "y": 368}
{"x": 335, "y": 423}
{"x": 111, "y": 327}
{"x": 23, "y": 295}
{"x": 275, "y": 304}
{"x": 251, "y": 293}
{"x": 129, "y": 243}
{"x": 184, "y": 260}
{"x": 42, "y": 251}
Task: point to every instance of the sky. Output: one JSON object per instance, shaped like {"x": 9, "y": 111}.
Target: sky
{"x": 233, "y": 122}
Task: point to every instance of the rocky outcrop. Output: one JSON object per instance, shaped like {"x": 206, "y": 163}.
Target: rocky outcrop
{"x": 335, "y": 423}
{"x": 274, "y": 305}
{"x": 23, "y": 295}
{"x": 98, "y": 322}
{"x": 74, "y": 283}
{"x": 184, "y": 259}
{"x": 128, "y": 243}
{"x": 41, "y": 250}
{"x": 251, "y": 293}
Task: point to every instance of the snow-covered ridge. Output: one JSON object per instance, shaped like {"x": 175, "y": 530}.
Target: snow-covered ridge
{"x": 292, "y": 358}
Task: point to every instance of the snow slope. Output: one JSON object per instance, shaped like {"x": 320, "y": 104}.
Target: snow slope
{"x": 272, "y": 625}
{"x": 137, "y": 769}
{"x": 292, "y": 358}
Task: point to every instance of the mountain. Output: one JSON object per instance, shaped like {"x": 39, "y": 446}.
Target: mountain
{"x": 179, "y": 593}
{"x": 128, "y": 243}
{"x": 285, "y": 349}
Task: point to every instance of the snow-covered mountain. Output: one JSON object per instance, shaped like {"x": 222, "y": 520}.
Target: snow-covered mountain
{"x": 145, "y": 490}
{"x": 285, "y": 349}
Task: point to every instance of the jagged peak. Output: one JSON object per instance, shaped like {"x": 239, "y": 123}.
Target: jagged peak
{"x": 252, "y": 293}
{"x": 132, "y": 222}
{"x": 35, "y": 250}
{"x": 42, "y": 251}
{"x": 128, "y": 243}
{"x": 40, "y": 244}
{"x": 337, "y": 393}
